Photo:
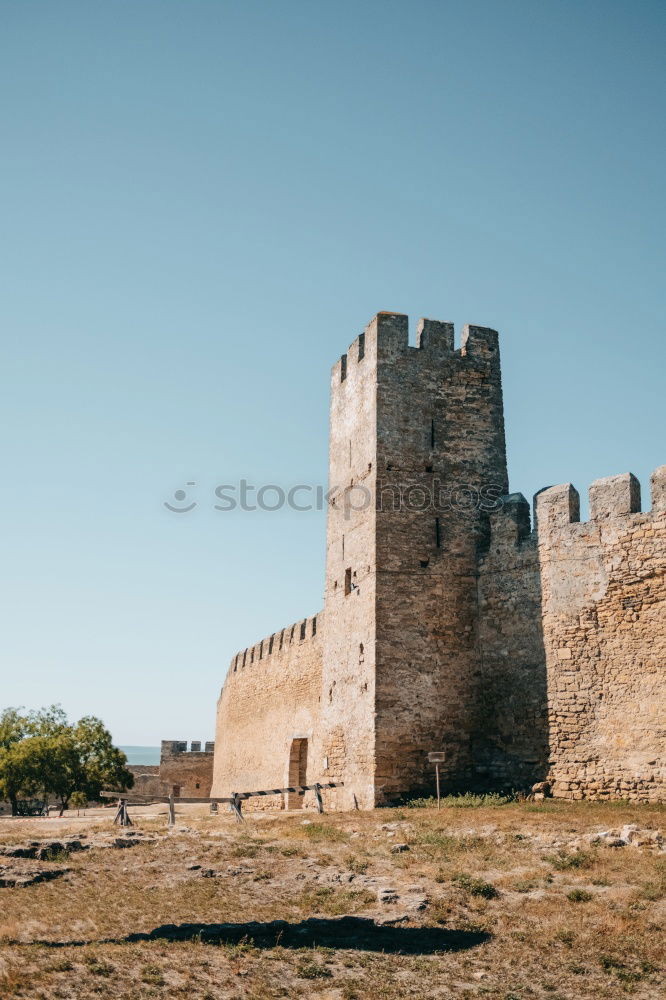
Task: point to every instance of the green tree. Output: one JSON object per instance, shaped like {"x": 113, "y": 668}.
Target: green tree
{"x": 16, "y": 778}
{"x": 13, "y": 727}
{"x": 61, "y": 759}
{"x": 78, "y": 801}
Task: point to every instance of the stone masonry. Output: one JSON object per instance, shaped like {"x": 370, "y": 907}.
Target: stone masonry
{"x": 181, "y": 771}
{"x": 449, "y": 622}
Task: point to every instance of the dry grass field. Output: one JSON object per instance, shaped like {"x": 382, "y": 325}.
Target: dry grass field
{"x": 513, "y": 901}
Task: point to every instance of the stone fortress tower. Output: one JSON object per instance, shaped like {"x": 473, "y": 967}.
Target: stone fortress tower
{"x": 448, "y": 623}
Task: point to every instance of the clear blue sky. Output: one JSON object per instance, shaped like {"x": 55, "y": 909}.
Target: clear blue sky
{"x": 203, "y": 203}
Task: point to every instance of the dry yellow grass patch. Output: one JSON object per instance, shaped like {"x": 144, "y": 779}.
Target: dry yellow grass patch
{"x": 512, "y": 902}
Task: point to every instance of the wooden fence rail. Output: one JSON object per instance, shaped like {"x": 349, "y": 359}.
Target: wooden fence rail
{"x": 235, "y": 801}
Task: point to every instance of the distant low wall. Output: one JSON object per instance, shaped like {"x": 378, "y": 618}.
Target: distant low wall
{"x": 147, "y": 780}
{"x": 187, "y": 773}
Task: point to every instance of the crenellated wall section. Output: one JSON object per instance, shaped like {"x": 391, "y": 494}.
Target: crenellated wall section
{"x": 269, "y": 700}
{"x": 604, "y": 624}
{"x": 523, "y": 651}
{"x": 509, "y": 744}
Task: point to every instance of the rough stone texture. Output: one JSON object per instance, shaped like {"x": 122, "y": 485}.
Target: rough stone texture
{"x": 270, "y": 700}
{"x": 604, "y": 624}
{"x": 147, "y": 780}
{"x": 440, "y": 427}
{"x": 509, "y": 739}
{"x": 449, "y": 624}
{"x": 184, "y": 772}
{"x": 12, "y": 879}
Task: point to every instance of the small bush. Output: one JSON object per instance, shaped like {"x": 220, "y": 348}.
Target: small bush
{"x": 357, "y": 865}
{"x": 58, "y": 855}
{"x": 263, "y": 876}
{"x": 98, "y": 967}
{"x": 525, "y": 885}
{"x": 312, "y": 970}
{"x": 610, "y": 964}
{"x": 654, "y": 891}
{"x": 235, "y": 949}
{"x": 291, "y": 852}
{"x": 579, "y": 896}
{"x": 64, "y": 965}
{"x": 476, "y": 886}
{"x": 152, "y": 975}
{"x": 440, "y": 912}
{"x": 564, "y": 861}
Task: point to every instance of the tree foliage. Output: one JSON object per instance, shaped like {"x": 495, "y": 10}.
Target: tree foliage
{"x": 43, "y": 753}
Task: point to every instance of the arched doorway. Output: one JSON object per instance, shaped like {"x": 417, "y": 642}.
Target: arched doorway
{"x": 298, "y": 767}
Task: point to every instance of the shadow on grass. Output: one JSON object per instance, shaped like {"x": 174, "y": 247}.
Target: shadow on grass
{"x": 356, "y": 933}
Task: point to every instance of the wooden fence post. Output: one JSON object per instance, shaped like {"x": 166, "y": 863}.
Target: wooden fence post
{"x": 122, "y": 816}
{"x": 236, "y": 806}
{"x": 320, "y": 801}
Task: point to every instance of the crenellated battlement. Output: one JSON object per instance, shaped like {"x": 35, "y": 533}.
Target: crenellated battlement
{"x": 611, "y": 497}
{"x": 299, "y": 633}
{"x": 525, "y": 643}
{"x": 615, "y": 496}
{"x": 176, "y": 748}
{"x": 387, "y": 337}
{"x": 658, "y": 488}
{"x": 510, "y": 523}
{"x": 434, "y": 336}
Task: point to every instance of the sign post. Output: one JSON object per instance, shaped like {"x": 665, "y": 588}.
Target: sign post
{"x": 437, "y": 758}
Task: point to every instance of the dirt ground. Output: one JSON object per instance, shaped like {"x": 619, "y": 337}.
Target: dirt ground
{"x": 522, "y": 900}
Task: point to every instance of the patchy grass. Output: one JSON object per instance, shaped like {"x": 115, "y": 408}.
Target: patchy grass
{"x": 468, "y": 800}
{"x": 579, "y": 896}
{"x": 323, "y": 832}
{"x": 475, "y": 886}
{"x": 565, "y": 861}
{"x": 152, "y": 975}
{"x": 329, "y": 900}
{"x": 308, "y": 969}
{"x": 57, "y": 856}
{"x": 519, "y": 902}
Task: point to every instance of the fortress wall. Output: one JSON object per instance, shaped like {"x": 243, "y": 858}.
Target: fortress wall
{"x": 269, "y": 699}
{"x": 147, "y": 780}
{"x": 346, "y": 743}
{"x": 604, "y": 620}
{"x": 188, "y": 773}
{"x": 509, "y": 743}
{"x": 440, "y": 428}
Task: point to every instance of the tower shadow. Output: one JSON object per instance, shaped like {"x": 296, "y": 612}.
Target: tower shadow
{"x": 349, "y": 932}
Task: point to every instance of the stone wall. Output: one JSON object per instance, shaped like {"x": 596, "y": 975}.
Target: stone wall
{"x": 269, "y": 704}
{"x": 186, "y": 773}
{"x": 400, "y": 652}
{"x": 346, "y": 743}
{"x": 509, "y": 737}
{"x": 604, "y": 621}
{"x": 449, "y": 624}
{"x": 147, "y": 780}
{"x": 442, "y": 462}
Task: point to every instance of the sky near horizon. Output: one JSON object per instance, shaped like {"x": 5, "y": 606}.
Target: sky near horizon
{"x": 203, "y": 203}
